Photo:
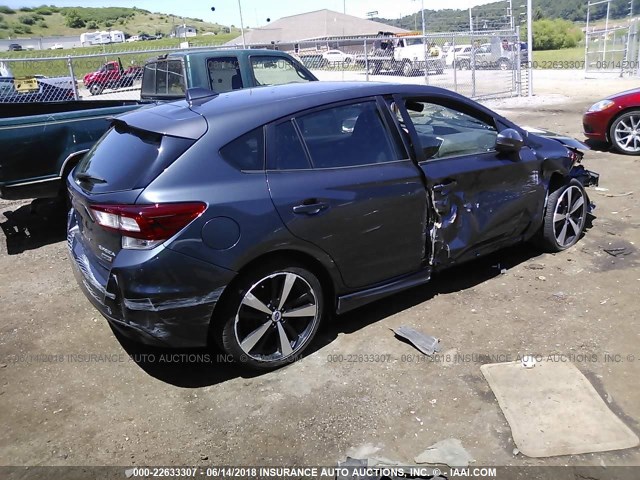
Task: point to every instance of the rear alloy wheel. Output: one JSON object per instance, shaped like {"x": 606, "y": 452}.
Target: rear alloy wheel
{"x": 565, "y": 217}
{"x": 273, "y": 317}
{"x": 625, "y": 133}
{"x": 407, "y": 69}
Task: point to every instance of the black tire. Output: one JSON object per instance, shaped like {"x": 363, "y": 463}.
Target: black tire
{"x": 564, "y": 218}
{"x": 463, "y": 64}
{"x": 253, "y": 319}
{"x": 407, "y": 69}
{"x": 504, "y": 64}
{"x": 95, "y": 89}
{"x": 347, "y": 61}
{"x": 624, "y": 133}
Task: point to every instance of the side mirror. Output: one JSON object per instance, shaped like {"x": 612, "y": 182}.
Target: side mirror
{"x": 509, "y": 141}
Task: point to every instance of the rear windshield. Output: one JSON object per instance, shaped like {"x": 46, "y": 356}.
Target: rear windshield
{"x": 127, "y": 158}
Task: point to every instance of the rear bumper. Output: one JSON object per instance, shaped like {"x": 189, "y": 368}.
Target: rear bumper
{"x": 158, "y": 297}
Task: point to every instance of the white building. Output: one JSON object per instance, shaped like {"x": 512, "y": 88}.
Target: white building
{"x": 183, "y": 31}
{"x": 101, "y": 38}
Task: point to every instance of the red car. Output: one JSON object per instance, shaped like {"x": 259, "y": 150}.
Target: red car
{"x": 616, "y": 121}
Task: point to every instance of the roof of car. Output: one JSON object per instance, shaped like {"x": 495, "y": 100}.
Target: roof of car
{"x": 298, "y": 96}
{"x": 231, "y": 114}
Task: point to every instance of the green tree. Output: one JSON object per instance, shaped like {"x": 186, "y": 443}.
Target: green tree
{"x": 74, "y": 20}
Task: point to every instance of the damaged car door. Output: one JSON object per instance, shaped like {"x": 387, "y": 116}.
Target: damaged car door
{"x": 484, "y": 196}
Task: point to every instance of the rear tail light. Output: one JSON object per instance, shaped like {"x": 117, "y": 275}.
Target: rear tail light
{"x": 145, "y": 226}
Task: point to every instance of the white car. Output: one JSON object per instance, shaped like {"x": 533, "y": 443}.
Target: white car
{"x": 56, "y": 46}
{"x": 463, "y": 51}
{"x": 338, "y": 56}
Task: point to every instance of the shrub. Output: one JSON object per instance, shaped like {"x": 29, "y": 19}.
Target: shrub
{"x": 44, "y": 10}
{"x": 555, "y": 34}
{"x": 92, "y": 25}
{"x": 73, "y": 19}
{"x": 27, "y": 19}
{"x": 7, "y": 10}
{"x": 43, "y": 24}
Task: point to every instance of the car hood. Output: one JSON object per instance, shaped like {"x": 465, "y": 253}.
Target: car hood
{"x": 633, "y": 91}
{"x": 563, "y": 139}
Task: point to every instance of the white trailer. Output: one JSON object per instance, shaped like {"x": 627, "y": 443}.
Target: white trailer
{"x": 101, "y": 38}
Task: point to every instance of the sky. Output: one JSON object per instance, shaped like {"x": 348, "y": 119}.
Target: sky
{"x": 256, "y": 12}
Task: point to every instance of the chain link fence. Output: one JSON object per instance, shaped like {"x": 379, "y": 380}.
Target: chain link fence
{"x": 480, "y": 65}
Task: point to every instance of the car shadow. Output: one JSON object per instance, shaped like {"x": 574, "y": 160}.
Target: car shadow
{"x": 32, "y": 226}
{"x": 193, "y": 368}
{"x": 598, "y": 146}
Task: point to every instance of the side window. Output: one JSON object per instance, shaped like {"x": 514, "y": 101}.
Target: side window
{"x": 175, "y": 80}
{"x": 272, "y": 70}
{"x": 348, "y": 136}
{"x": 224, "y": 74}
{"x": 149, "y": 79}
{"x": 288, "y": 153}
{"x": 448, "y": 132}
{"x": 161, "y": 78}
{"x": 246, "y": 152}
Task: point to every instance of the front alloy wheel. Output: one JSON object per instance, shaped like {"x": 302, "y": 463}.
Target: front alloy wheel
{"x": 276, "y": 316}
{"x": 565, "y": 217}
{"x": 625, "y": 133}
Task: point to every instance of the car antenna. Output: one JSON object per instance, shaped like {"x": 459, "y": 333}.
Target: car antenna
{"x": 199, "y": 93}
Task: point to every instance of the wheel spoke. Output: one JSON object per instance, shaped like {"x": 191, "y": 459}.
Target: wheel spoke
{"x": 289, "y": 280}
{"x": 577, "y": 204}
{"x": 251, "y": 301}
{"x": 254, "y": 337}
{"x": 563, "y": 235}
{"x": 625, "y": 128}
{"x": 558, "y": 217}
{"x": 306, "y": 311}
{"x": 285, "y": 344}
{"x": 629, "y": 138}
{"x": 568, "y": 193}
{"x": 574, "y": 226}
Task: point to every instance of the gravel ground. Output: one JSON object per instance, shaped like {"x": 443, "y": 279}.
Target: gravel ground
{"x": 73, "y": 393}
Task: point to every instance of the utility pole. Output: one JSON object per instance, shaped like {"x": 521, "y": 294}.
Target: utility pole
{"x": 530, "y": 46}
{"x": 470, "y": 21}
{"x": 244, "y": 44}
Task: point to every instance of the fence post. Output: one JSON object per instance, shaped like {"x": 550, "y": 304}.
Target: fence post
{"x": 453, "y": 65}
{"x": 474, "y": 49}
{"x": 366, "y": 61}
{"x": 74, "y": 83}
{"x": 519, "y": 60}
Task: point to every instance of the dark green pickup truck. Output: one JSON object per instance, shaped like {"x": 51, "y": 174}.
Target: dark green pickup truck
{"x": 42, "y": 142}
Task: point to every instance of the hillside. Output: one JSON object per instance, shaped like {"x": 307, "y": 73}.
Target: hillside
{"x": 52, "y": 21}
{"x": 494, "y": 15}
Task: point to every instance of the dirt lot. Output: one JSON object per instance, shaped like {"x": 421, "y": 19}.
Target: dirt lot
{"x": 72, "y": 395}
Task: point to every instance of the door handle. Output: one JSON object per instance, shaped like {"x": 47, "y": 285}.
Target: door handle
{"x": 446, "y": 185}
{"x": 310, "y": 207}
